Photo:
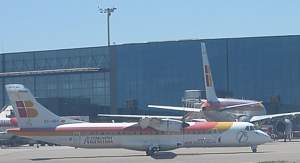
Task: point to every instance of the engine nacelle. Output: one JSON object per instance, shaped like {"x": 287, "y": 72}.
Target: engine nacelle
{"x": 145, "y": 122}
{"x": 162, "y": 124}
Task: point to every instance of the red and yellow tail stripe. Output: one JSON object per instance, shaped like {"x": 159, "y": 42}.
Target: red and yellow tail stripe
{"x": 26, "y": 109}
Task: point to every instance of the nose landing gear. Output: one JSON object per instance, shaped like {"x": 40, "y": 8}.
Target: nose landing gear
{"x": 152, "y": 150}
{"x": 254, "y": 148}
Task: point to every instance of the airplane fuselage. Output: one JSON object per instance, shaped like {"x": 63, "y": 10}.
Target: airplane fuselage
{"x": 132, "y": 136}
{"x": 216, "y": 111}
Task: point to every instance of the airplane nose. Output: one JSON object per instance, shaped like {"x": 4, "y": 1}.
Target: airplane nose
{"x": 264, "y": 136}
{"x": 269, "y": 139}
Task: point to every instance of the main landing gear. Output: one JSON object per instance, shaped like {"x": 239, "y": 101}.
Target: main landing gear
{"x": 152, "y": 150}
{"x": 254, "y": 148}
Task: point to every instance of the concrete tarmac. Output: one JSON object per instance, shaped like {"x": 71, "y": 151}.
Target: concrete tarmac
{"x": 275, "y": 151}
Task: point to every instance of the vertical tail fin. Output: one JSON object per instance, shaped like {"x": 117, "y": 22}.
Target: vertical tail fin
{"x": 208, "y": 80}
{"x": 30, "y": 113}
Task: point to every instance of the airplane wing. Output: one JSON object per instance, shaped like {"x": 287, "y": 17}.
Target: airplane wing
{"x": 155, "y": 122}
{"x": 175, "y": 108}
{"x": 241, "y": 105}
{"x": 271, "y": 116}
{"x": 199, "y": 110}
{"x": 140, "y": 116}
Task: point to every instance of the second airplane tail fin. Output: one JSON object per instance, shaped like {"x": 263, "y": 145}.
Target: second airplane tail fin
{"x": 208, "y": 80}
{"x": 30, "y": 113}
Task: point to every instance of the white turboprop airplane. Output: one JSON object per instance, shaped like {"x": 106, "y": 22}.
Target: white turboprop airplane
{"x": 36, "y": 122}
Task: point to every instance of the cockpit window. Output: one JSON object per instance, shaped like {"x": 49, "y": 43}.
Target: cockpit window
{"x": 249, "y": 128}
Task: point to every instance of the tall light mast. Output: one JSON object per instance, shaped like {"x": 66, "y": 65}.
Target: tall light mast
{"x": 111, "y": 53}
{"x": 108, "y": 12}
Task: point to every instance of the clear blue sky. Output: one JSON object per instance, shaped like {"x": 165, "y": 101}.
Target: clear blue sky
{"x": 29, "y": 25}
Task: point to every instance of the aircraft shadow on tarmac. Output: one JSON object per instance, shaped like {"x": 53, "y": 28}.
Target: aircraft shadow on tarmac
{"x": 160, "y": 155}
{"x": 79, "y": 157}
{"x": 217, "y": 153}
{"x": 171, "y": 155}
{"x": 164, "y": 155}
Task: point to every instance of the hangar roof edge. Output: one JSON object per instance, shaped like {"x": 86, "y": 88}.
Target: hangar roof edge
{"x": 151, "y": 42}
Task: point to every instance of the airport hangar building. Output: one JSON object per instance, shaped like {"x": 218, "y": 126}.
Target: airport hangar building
{"x": 126, "y": 78}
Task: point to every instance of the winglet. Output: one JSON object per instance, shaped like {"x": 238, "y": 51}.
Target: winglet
{"x": 209, "y": 84}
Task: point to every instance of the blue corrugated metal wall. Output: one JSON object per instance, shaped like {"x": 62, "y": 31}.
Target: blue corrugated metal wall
{"x": 261, "y": 68}
{"x": 251, "y": 68}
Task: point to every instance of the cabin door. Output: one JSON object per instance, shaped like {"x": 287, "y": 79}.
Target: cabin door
{"x": 76, "y": 139}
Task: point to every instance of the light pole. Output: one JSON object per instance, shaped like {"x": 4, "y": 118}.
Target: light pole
{"x": 108, "y": 12}
{"x": 113, "y": 91}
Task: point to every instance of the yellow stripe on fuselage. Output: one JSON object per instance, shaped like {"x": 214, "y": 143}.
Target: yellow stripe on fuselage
{"x": 223, "y": 126}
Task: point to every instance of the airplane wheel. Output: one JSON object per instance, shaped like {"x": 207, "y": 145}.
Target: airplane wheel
{"x": 151, "y": 150}
{"x": 149, "y": 153}
{"x": 254, "y": 148}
